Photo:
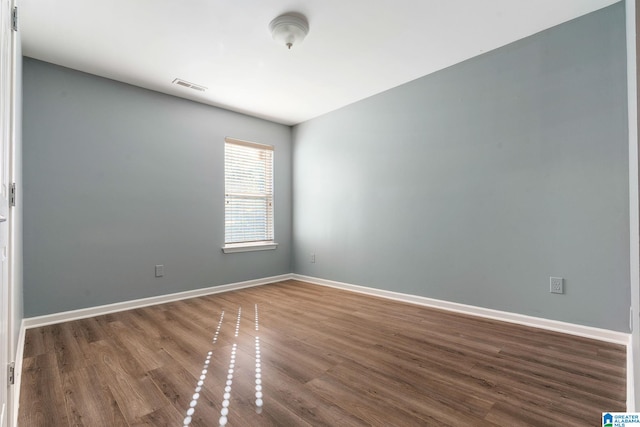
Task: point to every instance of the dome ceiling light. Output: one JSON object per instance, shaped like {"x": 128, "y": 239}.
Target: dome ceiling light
{"x": 289, "y": 29}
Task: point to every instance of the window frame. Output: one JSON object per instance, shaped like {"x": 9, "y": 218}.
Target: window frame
{"x": 259, "y": 245}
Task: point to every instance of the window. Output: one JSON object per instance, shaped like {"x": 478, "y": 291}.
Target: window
{"x": 248, "y": 187}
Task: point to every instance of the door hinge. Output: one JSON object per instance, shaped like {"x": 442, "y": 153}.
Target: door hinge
{"x": 14, "y": 18}
{"x": 11, "y": 377}
{"x": 12, "y": 194}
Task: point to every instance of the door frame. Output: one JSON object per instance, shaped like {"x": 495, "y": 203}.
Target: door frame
{"x": 13, "y": 167}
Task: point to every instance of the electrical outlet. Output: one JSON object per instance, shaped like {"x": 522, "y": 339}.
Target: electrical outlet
{"x": 556, "y": 285}
{"x": 313, "y": 258}
{"x": 159, "y": 270}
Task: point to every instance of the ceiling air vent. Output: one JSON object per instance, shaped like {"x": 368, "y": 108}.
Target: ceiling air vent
{"x": 189, "y": 85}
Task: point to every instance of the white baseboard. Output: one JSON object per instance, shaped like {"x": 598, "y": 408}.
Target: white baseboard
{"x": 505, "y": 316}
{"x": 536, "y": 322}
{"x": 15, "y": 403}
{"x": 67, "y": 316}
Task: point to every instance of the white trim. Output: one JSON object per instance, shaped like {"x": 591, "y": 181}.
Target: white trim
{"x": 251, "y": 144}
{"x": 634, "y": 213}
{"x": 68, "y": 316}
{"x": 521, "y": 319}
{"x": 505, "y": 316}
{"x": 631, "y": 393}
{"x": 248, "y": 247}
{"x": 18, "y": 375}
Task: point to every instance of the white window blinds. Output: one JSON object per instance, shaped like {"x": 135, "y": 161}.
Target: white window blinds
{"x": 248, "y": 182}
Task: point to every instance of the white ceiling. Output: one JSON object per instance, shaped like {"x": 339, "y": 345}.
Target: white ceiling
{"x": 355, "y": 48}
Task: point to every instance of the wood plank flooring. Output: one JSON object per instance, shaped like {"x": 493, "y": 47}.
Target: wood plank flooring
{"x": 319, "y": 356}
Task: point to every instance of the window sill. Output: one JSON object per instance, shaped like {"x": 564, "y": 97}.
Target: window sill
{"x": 248, "y": 247}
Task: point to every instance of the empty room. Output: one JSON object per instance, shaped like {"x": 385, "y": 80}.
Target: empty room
{"x": 296, "y": 213}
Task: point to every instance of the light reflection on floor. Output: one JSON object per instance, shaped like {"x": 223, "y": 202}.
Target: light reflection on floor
{"x": 258, "y": 368}
{"x": 203, "y": 376}
{"x": 225, "y": 411}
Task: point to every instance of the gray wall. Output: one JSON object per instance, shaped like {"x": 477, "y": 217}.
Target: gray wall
{"x": 477, "y": 183}
{"x": 118, "y": 179}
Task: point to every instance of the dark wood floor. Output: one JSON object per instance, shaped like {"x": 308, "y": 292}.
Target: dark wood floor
{"x": 321, "y": 357}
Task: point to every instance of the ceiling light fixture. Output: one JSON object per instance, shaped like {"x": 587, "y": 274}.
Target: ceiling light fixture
{"x": 289, "y": 29}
